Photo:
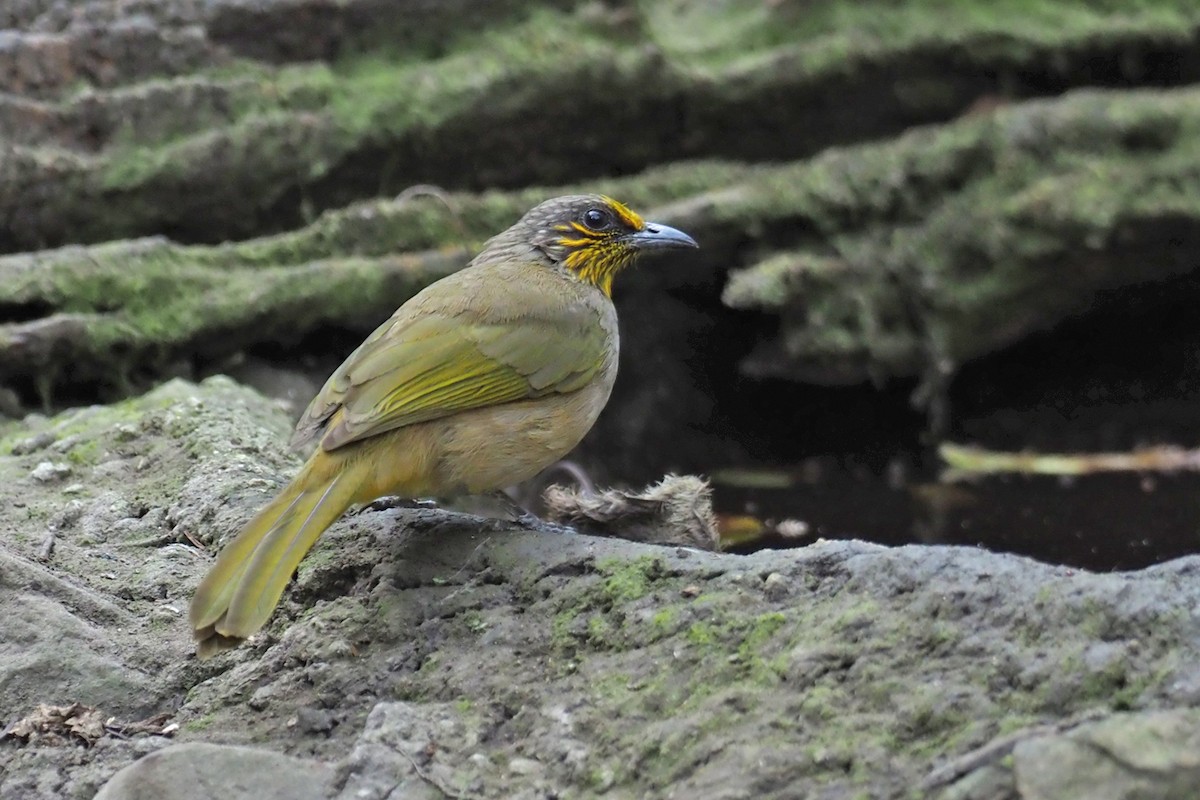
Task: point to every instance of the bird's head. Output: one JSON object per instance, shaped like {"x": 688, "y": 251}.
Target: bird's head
{"x": 594, "y": 237}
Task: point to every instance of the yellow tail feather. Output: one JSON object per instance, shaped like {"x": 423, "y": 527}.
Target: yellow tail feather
{"x": 238, "y": 594}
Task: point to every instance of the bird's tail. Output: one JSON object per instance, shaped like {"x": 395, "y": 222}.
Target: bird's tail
{"x": 241, "y": 590}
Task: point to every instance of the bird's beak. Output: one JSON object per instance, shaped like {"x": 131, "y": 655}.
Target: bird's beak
{"x": 660, "y": 237}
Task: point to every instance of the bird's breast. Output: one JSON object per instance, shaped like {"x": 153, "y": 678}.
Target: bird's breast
{"x": 490, "y": 448}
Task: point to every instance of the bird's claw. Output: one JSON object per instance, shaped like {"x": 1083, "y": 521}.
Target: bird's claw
{"x": 391, "y": 501}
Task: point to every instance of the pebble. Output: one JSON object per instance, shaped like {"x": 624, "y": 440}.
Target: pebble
{"x": 33, "y": 443}
{"x": 776, "y": 587}
{"x": 48, "y": 471}
{"x": 314, "y": 720}
{"x": 523, "y": 766}
{"x": 261, "y": 698}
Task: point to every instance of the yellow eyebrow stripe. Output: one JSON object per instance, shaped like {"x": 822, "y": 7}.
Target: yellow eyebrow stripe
{"x": 627, "y": 215}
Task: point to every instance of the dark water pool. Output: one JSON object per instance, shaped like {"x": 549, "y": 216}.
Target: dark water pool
{"x": 1098, "y": 522}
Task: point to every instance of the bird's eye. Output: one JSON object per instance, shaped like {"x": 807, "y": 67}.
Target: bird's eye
{"x": 597, "y": 219}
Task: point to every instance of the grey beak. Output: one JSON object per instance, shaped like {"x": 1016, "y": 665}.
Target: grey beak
{"x": 661, "y": 237}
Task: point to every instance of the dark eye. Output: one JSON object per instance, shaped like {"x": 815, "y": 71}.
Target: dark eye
{"x": 597, "y": 219}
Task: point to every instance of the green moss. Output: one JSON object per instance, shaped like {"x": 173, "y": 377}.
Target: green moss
{"x": 85, "y": 453}
{"x": 829, "y": 33}
{"x": 200, "y": 723}
{"x": 475, "y": 622}
{"x": 630, "y": 580}
{"x": 821, "y": 703}
{"x": 701, "y": 633}
{"x": 1013, "y": 722}
{"x": 599, "y": 631}
{"x": 931, "y": 203}
{"x": 562, "y": 637}
{"x": 664, "y": 620}
{"x": 764, "y": 627}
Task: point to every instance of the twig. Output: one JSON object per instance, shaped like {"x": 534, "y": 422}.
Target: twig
{"x": 998, "y": 749}
{"x": 153, "y": 541}
{"x": 432, "y": 781}
{"x": 964, "y": 462}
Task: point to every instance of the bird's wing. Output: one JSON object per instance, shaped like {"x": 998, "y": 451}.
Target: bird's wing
{"x": 414, "y": 370}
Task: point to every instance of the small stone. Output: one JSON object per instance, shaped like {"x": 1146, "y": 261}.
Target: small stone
{"x": 74, "y": 488}
{"x": 198, "y": 770}
{"x": 261, "y": 699}
{"x": 48, "y": 471}
{"x": 523, "y": 766}
{"x": 66, "y": 444}
{"x": 776, "y": 587}
{"x": 690, "y": 591}
{"x": 33, "y": 443}
{"x": 314, "y": 720}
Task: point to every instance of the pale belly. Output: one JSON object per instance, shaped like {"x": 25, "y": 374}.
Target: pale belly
{"x": 496, "y": 447}
{"x": 478, "y": 451}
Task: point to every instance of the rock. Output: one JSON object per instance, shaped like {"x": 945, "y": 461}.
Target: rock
{"x": 47, "y": 471}
{"x": 776, "y": 587}
{"x": 60, "y": 651}
{"x": 408, "y": 750}
{"x": 315, "y": 720}
{"x": 33, "y": 444}
{"x": 1150, "y": 755}
{"x": 524, "y": 766}
{"x": 220, "y": 122}
{"x": 215, "y": 178}
{"x": 199, "y": 771}
{"x": 638, "y": 668}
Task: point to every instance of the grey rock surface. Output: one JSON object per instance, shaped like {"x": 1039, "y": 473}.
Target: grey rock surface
{"x": 1148, "y": 755}
{"x": 427, "y": 653}
{"x": 199, "y": 771}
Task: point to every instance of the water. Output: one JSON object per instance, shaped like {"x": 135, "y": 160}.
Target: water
{"x": 1099, "y": 522}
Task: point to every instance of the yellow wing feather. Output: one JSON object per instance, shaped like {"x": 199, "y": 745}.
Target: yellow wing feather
{"x": 411, "y": 374}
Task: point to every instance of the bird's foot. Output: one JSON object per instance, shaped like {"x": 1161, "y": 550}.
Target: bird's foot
{"x": 392, "y": 501}
{"x": 515, "y": 511}
{"x": 526, "y": 519}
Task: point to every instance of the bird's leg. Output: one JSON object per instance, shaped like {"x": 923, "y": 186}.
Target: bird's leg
{"x": 519, "y": 513}
{"x": 525, "y": 518}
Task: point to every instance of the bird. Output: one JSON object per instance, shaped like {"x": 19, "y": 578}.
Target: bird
{"x": 479, "y": 381}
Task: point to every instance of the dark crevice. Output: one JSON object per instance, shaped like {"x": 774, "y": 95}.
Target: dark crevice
{"x": 287, "y": 33}
{"x": 11, "y": 313}
{"x": 1123, "y": 375}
